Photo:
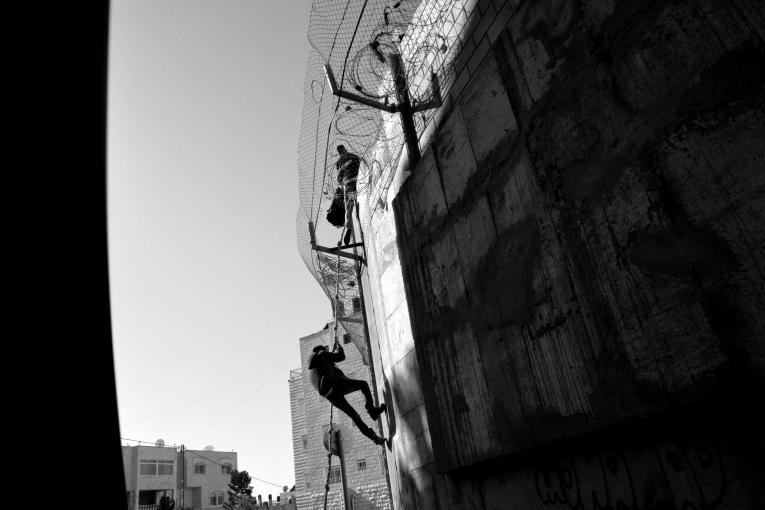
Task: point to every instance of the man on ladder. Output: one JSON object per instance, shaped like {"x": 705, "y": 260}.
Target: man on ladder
{"x": 332, "y": 384}
{"x": 347, "y": 171}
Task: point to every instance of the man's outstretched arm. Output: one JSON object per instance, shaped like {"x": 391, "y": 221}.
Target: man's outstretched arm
{"x": 337, "y": 356}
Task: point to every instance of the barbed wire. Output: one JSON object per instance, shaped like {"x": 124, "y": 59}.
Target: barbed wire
{"x": 355, "y": 40}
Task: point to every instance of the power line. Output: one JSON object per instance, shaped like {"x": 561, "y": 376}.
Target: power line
{"x": 194, "y": 400}
{"x": 152, "y": 443}
{"x": 253, "y": 477}
{"x": 240, "y": 404}
{"x": 186, "y": 403}
{"x": 193, "y": 452}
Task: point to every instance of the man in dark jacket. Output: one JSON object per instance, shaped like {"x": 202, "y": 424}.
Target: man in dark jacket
{"x": 332, "y": 384}
{"x": 347, "y": 172}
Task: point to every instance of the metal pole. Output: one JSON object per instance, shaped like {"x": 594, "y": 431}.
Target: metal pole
{"x": 360, "y": 283}
{"x": 405, "y": 109}
{"x": 183, "y": 477}
{"x": 341, "y": 454}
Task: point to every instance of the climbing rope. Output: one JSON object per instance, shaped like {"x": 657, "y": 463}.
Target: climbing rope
{"x": 334, "y": 348}
{"x": 329, "y": 457}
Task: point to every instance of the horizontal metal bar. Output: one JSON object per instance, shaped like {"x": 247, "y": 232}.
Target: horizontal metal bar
{"x": 354, "y": 97}
{"x": 346, "y": 246}
{"x": 335, "y": 251}
{"x": 351, "y": 319}
{"x": 366, "y": 101}
{"x": 433, "y": 103}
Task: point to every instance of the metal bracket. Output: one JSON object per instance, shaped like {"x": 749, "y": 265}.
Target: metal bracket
{"x": 434, "y": 102}
{"x": 354, "y": 97}
{"x": 404, "y": 106}
{"x": 335, "y": 251}
{"x": 351, "y": 318}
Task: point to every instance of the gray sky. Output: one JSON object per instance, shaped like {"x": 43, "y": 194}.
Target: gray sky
{"x": 209, "y": 295}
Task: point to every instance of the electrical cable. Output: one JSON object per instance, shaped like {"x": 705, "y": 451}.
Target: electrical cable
{"x": 195, "y": 452}
{"x": 189, "y": 402}
{"x": 197, "y": 399}
{"x": 224, "y": 416}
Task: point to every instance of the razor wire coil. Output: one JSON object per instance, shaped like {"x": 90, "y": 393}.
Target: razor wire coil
{"x": 351, "y": 37}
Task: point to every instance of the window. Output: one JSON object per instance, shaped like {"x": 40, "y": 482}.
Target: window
{"x": 346, "y": 338}
{"x": 340, "y": 308}
{"x": 213, "y": 499}
{"x": 165, "y": 467}
{"x": 334, "y": 474}
{"x": 148, "y": 467}
{"x": 200, "y": 468}
{"x": 226, "y": 469}
{"x": 220, "y": 498}
{"x": 356, "y": 304}
{"x": 152, "y": 467}
{"x": 305, "y": 442}
{"x": 361, "y": 464}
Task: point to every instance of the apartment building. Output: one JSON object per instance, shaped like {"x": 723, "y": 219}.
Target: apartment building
{"x": 364, "y": 461}
{"x": 195, "y": 479}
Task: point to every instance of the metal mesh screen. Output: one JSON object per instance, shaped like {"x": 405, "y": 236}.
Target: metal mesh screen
{"x": 353, "y": 37}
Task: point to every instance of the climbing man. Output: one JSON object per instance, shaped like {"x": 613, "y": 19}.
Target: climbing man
{"x": 332, "y": 384}
{"x": 347, "y": 171}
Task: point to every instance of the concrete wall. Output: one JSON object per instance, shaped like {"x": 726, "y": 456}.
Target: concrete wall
{"x": 580, "y": 248}
{"x": 368, "y": 486}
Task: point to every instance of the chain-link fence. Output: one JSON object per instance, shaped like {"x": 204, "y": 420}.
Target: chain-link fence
{"x": 353, "y": 39}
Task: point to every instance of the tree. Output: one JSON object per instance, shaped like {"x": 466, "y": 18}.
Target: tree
{"x": 240, "y": 490}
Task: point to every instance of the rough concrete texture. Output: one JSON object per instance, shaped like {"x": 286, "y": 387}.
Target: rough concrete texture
{"x": 392, "y": 347}
{"x": 706, "y": 469}
{"x": 582, "y": 247}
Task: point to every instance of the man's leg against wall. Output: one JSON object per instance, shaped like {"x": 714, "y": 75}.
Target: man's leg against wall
{"x": 350, "y": 201}
{"x": 338, "y": 400}
{"x": 349, "y": 212}
{"x": 347, "y": 386}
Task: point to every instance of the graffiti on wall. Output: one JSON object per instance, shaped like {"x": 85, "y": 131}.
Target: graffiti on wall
{"x": 686, "y": 475}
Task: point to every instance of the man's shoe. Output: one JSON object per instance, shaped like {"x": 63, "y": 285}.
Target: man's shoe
{"x": 380, "y": 441}
{"x": 375, "y": 412}
{"x": 347, "y": 237}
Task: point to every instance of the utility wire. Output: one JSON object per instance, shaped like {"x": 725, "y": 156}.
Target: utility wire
{"x": 337, "y": 104}
{"x": 240, "y": 404}
{"x": 153, "y": 443}
{"x": 193, "y": 452}
{"x": 196, "y": 399}
{"x": 253, "y": 477}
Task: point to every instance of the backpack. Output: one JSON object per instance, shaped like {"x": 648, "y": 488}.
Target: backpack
{"x": 336, "y": 211}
